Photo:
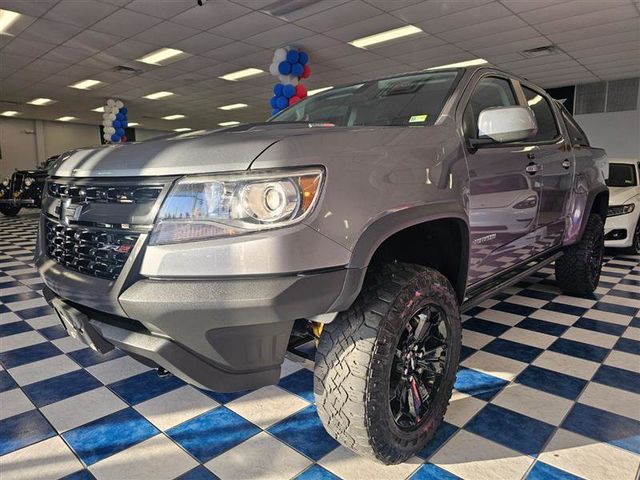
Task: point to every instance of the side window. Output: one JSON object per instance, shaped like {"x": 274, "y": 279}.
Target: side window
{"x": 489, "y": 92}
{"x": 578, "y": 137}
{"x": 547, "y": 127}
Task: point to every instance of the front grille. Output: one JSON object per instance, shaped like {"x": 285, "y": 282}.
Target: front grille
{"x": 92, "y": 252}
{"x": 105, "y": 194}
{"x": 17, "y": 182}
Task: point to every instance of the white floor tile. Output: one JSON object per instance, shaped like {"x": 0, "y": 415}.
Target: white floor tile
{"x": 44, "y": 322}
{"x": 575, "y": 301}
{"x": 589, "y": 459}
{"x": 559, "y": 362}
{"x": 474, "y": 339}
{"x": 624, "y": 360}
{"x": 46, "y": 460}
{"x": 496, "y": 365}
{"x": 612, "y": 399}
{"x": 555, "y": 317}
{"x": 68, "y": 344}
{"x": 526, "y": 301}
{"x": 528, "y": 337}
{"x": 349, "y": 466}
{"x": 533, "y": 403}
{"x": 157, "y": 458}
{"x": 289, "y": 366}
{"x": 633, "y": 333}
{"x": 43, "y": 369}
{"x": 590, "y": 337}
{"x": 14, "y": 402}
{"x": 117, "y": 369}
{"x": 24, "y": 304}
{"x": 175, "y": 407}
{"x": 83, "y": 408}
{"x": 462, "y": 408}
{"x": 19, "y": 340}
{"x": 260, "y": 457}
{"x": 8, "y": 317}
{"x": 616, "y": 318}
{"x": 266, "y": 406}
{"x": 498, "y": 316}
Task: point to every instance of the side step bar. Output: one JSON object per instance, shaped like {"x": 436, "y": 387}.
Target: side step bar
{"x": 500, "y": 285}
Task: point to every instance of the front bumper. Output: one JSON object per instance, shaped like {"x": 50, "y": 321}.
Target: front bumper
{"x": 619, "y": 230}
{"x": 22, "y": 202}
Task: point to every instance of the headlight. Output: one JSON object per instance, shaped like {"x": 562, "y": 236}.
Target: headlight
{"x": 614, "y": 211}
{"x": 28, "y": 181}
{"x": 204, "y": 207}
{"x": 5, "y": 182}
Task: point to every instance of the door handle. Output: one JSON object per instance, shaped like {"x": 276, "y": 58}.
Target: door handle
{"x": 533, "y": 168}
{"x": 566, "y": 163}
{"x": 531, "y": 155}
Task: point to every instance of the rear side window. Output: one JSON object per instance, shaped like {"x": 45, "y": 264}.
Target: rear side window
{"x": 547, "y": 127}
{"x": 577, "y": 135}
{"x": 489, "y": 92}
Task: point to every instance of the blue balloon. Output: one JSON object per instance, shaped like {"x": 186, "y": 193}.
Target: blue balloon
{"x": 120, "y": 132}
{"x": 274, "y": 102}
{"x": 124, "y": 124}
{"x": 119, "y": 116}
{"x": 303, "y": 58}
{"x": 116, "y": 124}
{"x": 284, "y": 68}
{"x": 274, "y": 111}
{"x": 289, "y": 91}
{"x": 115, "y": 137}
{"x": 277, "y": 89}
{"x": 292, "y": 56}
{"x": 124, "y": 110}
{"x": 282, "y": 102}
{"x": 297, "y": 69}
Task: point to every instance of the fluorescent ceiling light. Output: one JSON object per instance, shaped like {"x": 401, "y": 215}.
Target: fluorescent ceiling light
{"x": 65, "y": 119}
{"x": 318, "y": 90}
{"x": 229, "y": 124}
{"x": 247, "y": 72}
{"x": 99, "y": 109}
{"x": 132, "y": 124}
{"x": 158, "y": 95}
{"x": 41, "y": 101}
{"x": 159, "y": 56}
{"x": 466, "y": 63}
{"x": 183, "y": 129}
{"x": 233, "y": 106}
{"x": 85, "y": 84}
{"x": 387, "y": 36}
{"x": 10, "y": 113}
{"x": 7, "y": 17}
{"x": 173, "y": 117}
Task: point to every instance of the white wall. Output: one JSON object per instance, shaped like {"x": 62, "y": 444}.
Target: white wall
{"x": 617, "y": 132}
{"x": 17, "y": 145}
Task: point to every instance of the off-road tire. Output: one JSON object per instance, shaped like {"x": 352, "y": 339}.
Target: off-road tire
{"x": 355, "y": 354}
{"x": 574, "y": 273}
{"x": 635, "y": 243}
{"x": 9, "y": 210}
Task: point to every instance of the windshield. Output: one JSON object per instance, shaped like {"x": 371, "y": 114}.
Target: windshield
{"x": 622, "y": 175}
{"x": 414, "y": 100}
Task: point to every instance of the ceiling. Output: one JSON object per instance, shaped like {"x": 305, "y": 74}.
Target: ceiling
{"x": 56, "y": 43}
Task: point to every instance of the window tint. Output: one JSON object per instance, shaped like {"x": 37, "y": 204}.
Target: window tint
{"x": 578, "y": 137}
{"x": 547, "y": 128}
{"x": 489, "y": 92}
{"x": 622, "y": 175}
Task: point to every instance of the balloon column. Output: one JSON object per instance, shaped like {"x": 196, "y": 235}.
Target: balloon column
{"x": 290, "y": 65}
{"x": 114, "y": 121}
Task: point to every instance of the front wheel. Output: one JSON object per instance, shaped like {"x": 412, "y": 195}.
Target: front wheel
{"x": 385, "y": 368}
{"x": 9, "y": 210}
{"x": 635, "y": 246}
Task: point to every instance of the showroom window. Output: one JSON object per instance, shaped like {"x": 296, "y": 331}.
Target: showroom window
{"x": 547, "y": 127}
{"x": 489, "y": 92}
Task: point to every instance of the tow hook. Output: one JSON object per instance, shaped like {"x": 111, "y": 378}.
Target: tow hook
{"x": 162, "y": 373}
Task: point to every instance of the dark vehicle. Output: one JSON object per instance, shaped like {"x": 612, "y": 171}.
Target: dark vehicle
{"x": 24, "y": 188}
{"x": 371, "y": 215}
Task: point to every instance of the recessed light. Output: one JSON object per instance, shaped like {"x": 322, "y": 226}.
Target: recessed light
{"x": 7, "y": 17}
{"x": 86, "y": 84}
{"x": 229, "y": 124}
{"x": 247, "y": 72}
{"x": 385, "y": 36}
{"x": 158, "y": 95}
{"x": 9, "y": 113}
{"x": 318, "y": 90}
{"x": 466, "y": 63}
{"x": 184, "y": 129}
{"x": 233, "y": 106}
{"x": 41, "y": 101}
{"x": 65, "y": 119}
{"x": 99, "y": 109}
{"x": 132, "y": 124}
{"x": 173, "y": 117}
{"x": 159, "y": 56}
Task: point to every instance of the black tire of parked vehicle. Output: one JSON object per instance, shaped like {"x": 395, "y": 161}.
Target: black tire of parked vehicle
{"x": 353, "y": 373}
{"x": 9, "y": 210}
{"x": 578, "y": 269}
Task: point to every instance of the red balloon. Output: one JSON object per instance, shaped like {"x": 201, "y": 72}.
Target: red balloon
{"x": 294, "y": 100}
{"x": 301, "y": 90}
{"x": 124, "y": 138}
{"x": 306, "y": 72}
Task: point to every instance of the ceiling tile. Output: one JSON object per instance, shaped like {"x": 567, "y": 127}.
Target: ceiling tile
{"x": 125, "y": 23}
{"x": 82, "y": 14}
{"x": 430, "y": 9}
{"x": 27, "y": 48}
{"x": 42, "y": 65}
{"x": 501, "y": 38}
{"x": 48, "y": 31}
{"x": 567, "y": 10}
{"x": 308, "y": 10}
{"x": 247, "y": 25}
{"x": 210, "y": 15}
{"x": 363, "y": 28}
{"x": 387, "y": 6}
{"x": 232, "y": 51}
{"x": 161, "y": 9}
{"x": 279, "y": 36}
{"x": 165, "y": 33}
{"x": 632, "y": 24}
{"x": 92, "y": 41}
{"x": 581, "y": 21}
{"x": 202, "y": 42}
{"x": 129, "y": 49}
{"x": 466, "y": 18}
{"x": 498, "y": 25}
{"x": 345, "y": 14}
{"x": 518, "y": 6}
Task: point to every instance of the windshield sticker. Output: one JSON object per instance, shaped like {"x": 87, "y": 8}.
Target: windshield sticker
{"x": 418, "y": 118}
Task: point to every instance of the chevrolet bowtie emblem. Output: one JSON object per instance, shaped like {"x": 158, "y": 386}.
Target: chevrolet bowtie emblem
{"x": 68, "y": 212}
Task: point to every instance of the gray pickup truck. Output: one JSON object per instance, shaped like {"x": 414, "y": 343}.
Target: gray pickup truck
{"x": 371, "y": 214}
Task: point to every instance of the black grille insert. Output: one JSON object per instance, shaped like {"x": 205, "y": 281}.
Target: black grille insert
{"x": 92, "y": 252}
{"x": 105, "y": 194}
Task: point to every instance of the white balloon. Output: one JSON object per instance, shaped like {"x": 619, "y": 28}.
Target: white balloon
{"x": 294, "y": 80}
{"x": 273, "y": 69}
{"x": 114, "y": 110}
{"x": 119, "y": 104}
{"x": 105, "y": 115}
{"x": 280, "y": 55}
{"x": 111, "y": 102}
{"x": 112, "y": 116}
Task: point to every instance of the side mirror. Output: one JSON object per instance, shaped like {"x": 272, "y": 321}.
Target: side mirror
{"x": 507, "y": 124}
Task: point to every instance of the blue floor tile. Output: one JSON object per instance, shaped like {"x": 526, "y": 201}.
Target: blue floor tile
{"x": 33, "y": 353}
{"x": 485, "y": 326}
{"x": 478, "y": 384}
{"x": 551, "y": 382}
{"x": 109, "y": 435}
{"x": 34, "y": 312}
{"x": 565, "y": 308}
{"x": 144, "y": 386}
{"x": 80, "y": 475}
{"x": 212, "y": 433}
{"x": 429, "y": 471}
{"x": 13, "y": 328}
{"x": 540, "y": 326}
{"x": 88, "y": 357}
{"x": 443, "y": 434}
{"x": 22, "y": 430}
{"x": 473, "y": 311}
{"x": 628, "y": 345}
{"x": 316, "y": 472}
{"x": 466, "y": 352}
{"x": 60, "y": 387}
{"x": 538, "y": 294}
{"x": 618, "y": 378}
{"x": 19, "y": 297}
{"x": 514, "y": 350}
{"x": 6, "y": 381}
{"x": 297, "y": 430}
{"x": 300, "y": 383}
{"x": 223, "y": 398}
{"x": 513, "y": 430}
{"x": 599, "y": 326}
{"x": 543, "y": 471}
{"x": 579, "y": 349}
{"x": 613, "y": 308}
{"x": 199, "y": 473}
{"x": 604, "y": 426}
{"x": 53, "y": 333}
{"x": 514, "y": 308}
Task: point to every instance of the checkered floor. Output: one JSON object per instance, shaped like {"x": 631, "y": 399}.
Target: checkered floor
{"x": 549, "y": 387}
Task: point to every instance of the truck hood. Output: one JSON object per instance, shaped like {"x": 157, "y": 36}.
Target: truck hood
{"x": 201, "y": 151}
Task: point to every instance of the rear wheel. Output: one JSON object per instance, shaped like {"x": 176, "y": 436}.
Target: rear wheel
{"x": 635, "y": 246}
{"x": 578, "y": 269}
{"x": 386, "y": 367}
{"x": 9, "y": 210}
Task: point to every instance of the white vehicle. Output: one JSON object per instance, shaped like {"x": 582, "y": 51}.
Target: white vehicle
{"x": 622, "y": 228}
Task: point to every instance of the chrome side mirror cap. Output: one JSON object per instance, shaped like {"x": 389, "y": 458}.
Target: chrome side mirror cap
{"x": 507, "y": 124}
